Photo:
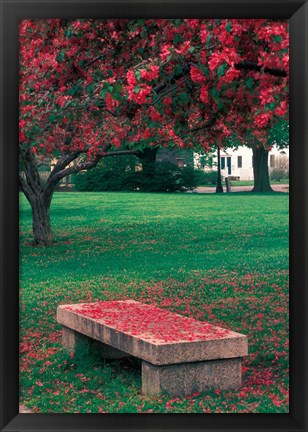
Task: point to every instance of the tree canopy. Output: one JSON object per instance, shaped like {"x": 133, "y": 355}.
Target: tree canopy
{"x": 89, "y": 85}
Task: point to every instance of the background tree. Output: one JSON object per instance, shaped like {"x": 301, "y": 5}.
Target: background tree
{"x": 94, "y": 88}
{"x": 281, "y": 168}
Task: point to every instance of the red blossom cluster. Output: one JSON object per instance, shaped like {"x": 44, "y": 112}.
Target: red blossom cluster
{"x": 151, "y": 74}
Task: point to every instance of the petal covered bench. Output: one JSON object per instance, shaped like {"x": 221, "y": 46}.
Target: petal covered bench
{"x": 179, "y": 355}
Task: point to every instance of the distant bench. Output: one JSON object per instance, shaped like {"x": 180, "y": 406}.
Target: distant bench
{"x": 179, "y": 355}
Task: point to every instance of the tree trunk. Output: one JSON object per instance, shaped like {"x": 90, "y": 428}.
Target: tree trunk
{"x": 41, "y": 219}
{"x": 148, "y": 159}
{"x": 219, "y": 188}
{"x": 260, "y": 170}
{"x": 39, "y": 195}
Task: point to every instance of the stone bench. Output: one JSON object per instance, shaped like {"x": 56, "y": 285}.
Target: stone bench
{"x": 179, "y": 355}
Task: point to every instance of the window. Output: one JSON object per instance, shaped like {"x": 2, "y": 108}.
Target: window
{"x": 223, "y": 163}
{"x": 272, "y": 161}
{"x": 229, "y": 165}
{"x": 239, "y": 161}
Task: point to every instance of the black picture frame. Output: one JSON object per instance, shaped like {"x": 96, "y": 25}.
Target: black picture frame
{"x": 297, "y": 13}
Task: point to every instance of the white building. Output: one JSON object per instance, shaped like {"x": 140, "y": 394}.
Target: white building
{"x": 238, "y": 163}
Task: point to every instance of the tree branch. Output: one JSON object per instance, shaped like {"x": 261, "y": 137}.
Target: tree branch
{"x": 30, "y": 169}
{"x": 170, "y": 88}
{"x": 249, "y": 65}
{"x": 24, "y": 187}
{"x": 64, "y": 161}
{"x": 72, "y": 170}
{"x": 94, "y": 60}
{"x": 253, "y": 66}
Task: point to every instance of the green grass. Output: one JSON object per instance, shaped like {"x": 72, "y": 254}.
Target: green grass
{"x": 221, "y": 258}
{"x": 249, "y": 183}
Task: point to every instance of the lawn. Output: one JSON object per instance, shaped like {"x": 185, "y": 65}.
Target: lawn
{"x": 235, "y": 183}
{"x": 218, "y": 258}
{"x": 251, "y": 183}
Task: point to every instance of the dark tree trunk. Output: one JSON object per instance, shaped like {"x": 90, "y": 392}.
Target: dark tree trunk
{"x": 219, "y": 188}
{"x": 260, "y": 170}
{"x": 148, "y": 158}
{"x": 39, "y": 195}
{"x": 41, "y": 219}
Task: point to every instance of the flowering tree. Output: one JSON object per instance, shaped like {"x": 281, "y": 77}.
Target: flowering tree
{"x": 94, "y": 88}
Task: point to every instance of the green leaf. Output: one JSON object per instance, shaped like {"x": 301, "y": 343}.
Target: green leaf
{"x": 35, "y": 129}
{"x": 229, "y": 26}
{"x": 178, "y": 70}
{"x": 215, "y": 93}
{"x": 72, "y": 91}
{"x": 221, "y": 70}
{"x": 249, "y": 83}
{"x": 270, "y": 106}
{"x": 116, "y": 91}
{"x": 178, "y": 22}
{"x": 220, "y": 104}
{"x": 51, "y": 118}
{"x": 68, "y": 33}
{"x": 60, "y": 57}
{"x": 178, "y": 38}
{"x": 90, "y": 88}
{"x": 208, "y": 40}
{"x": 183, "y": 97}
{"x": 205, "y": 71}
{"x": 103, "y": 92}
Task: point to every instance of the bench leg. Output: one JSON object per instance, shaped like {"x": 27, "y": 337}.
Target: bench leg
{"x": 70, "y": 339}
{"x": 185, "y": 379}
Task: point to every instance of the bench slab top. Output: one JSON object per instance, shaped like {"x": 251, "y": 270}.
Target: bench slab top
{"x": 151, "y": 333}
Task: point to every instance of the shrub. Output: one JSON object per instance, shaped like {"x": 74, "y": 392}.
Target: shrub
{"x": 206, "y": 177}
{"x": 167, "y": 177}
{"x": 109, "y": 175}
{"x": 118, "y": 175}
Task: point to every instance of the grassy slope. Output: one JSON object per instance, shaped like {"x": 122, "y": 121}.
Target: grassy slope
{"x": 218, "y": 258}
